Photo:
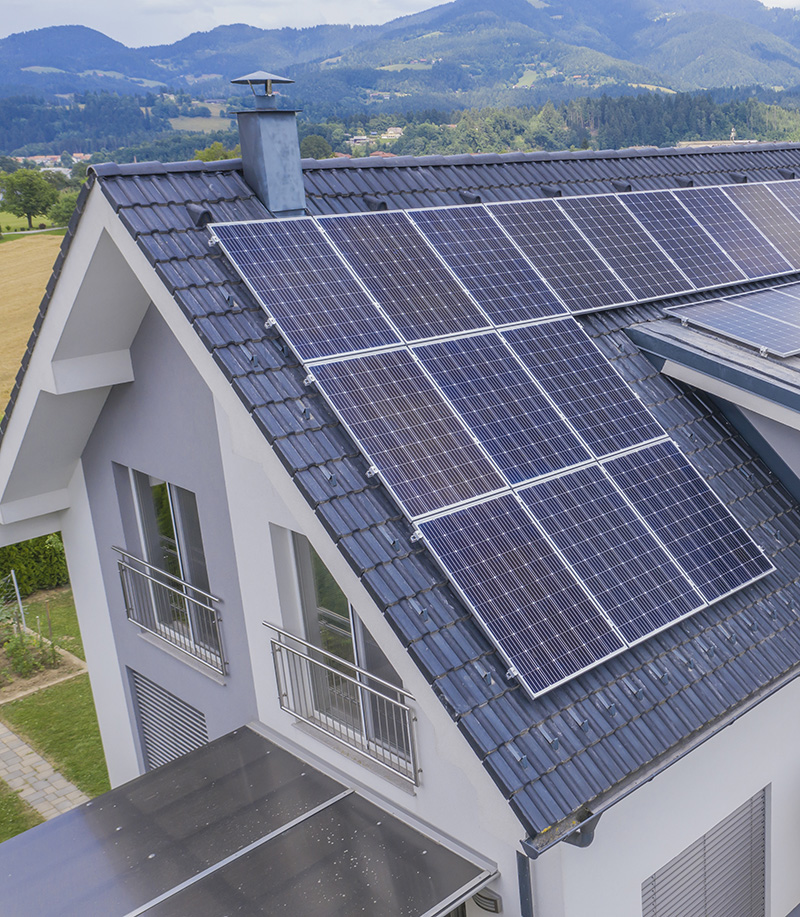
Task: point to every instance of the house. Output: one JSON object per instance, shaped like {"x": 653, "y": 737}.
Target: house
{"x": 247, "y": 572}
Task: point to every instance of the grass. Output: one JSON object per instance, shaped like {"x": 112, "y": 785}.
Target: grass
{"x": 66, "y": 632}
{"x": 16, "y": 815}
{"x": 25, "y": 267}
{"x": 61, "y": 724}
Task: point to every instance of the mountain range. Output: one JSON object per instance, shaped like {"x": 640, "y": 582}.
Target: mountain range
{"x": 458, "y": 54}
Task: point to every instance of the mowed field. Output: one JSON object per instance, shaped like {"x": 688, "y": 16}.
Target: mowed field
{"x": 25, "y": 267}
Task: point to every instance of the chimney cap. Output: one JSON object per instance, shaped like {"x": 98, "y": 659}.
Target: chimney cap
{"x": 260, "y": 76}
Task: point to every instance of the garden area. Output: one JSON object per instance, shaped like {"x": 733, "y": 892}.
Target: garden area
{"x": 45, "y": 696}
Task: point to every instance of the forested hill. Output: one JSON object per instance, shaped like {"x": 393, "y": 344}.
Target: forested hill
{"x": 457, "y": 55}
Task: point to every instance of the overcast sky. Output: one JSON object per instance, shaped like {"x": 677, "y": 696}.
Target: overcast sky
{"x": 156, "y": 22}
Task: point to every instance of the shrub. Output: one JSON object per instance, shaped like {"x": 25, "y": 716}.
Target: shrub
{"x": 39, "y": 563}
{"x": 22, "y": 656}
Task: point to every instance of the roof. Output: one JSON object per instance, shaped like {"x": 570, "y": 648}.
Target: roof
{"x": 241, "y": 826}
{"x": 578, "y": 748}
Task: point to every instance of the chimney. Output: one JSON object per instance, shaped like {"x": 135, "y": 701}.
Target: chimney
{"x": 270, "y": 148}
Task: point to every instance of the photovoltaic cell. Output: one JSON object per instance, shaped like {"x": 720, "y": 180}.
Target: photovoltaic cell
{"x": 303, "y": 285}
{"x": 725, "y": 317}
{"x": 633, "y": 255}
{"x": 771, "y": 217}
{"x": 502, "y": 405}
{"x": 701, "y": 534}
{"x": 584, "y": 385}
{"x": 488, "y": 263}
{"x": 561, "y": 255}
{"x": 737, "y": 236}
{"x": 616, "y": 557}
{"x": 689, "y": 246}
{"x": 527, "y": 599}
{"x": 403, "y": 274}
{"x": 408, "y": 431}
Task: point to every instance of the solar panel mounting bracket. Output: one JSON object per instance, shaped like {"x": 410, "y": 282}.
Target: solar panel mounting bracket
{"x": 309, "y": 380}
{"x": 416, "y": 535}
{"x": 270, "y": 323}
{"x": 372, "y": 471}
{"x": 512, "y": 673}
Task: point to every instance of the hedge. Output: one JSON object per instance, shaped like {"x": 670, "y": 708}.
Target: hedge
{"x": 39, "y": 563}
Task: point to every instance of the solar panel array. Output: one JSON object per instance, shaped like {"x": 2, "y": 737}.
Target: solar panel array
{"x": 556, "y": 503}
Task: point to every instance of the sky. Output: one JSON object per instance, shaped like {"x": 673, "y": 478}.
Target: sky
{"x": 156, "y": 22}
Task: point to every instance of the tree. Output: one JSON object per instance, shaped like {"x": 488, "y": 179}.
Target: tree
{"x": 27, "y": 194}
{"x": 217, "y": 151}
{"x": 315, "y": 146}
{"x": 61, "y": 212}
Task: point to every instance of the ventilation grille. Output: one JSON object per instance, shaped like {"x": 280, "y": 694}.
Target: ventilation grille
{"x": 720, "y": 875}
{"x": 169, "y": 726}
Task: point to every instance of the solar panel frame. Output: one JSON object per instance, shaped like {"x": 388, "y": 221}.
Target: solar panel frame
{"x": 580, "y": 277}
{"x": 368, "y": 392}
{"x": 715, "y": 552}
{"x": 505, "y": 284}
{"x": 626, "y": 246}
{"x": 584, "y": 385}
{"x": 331, "y": 323}
{"x": 737, "y": 235}
{"x": 397, "y": 266}
{"x": 618, "y": 559}
{"x": 528, "y": 602}
{"x": 696, "y": 252}
{"x": 506, "y": 410}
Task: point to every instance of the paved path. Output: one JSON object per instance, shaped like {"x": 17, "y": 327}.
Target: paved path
{"x": 34, "y": 779}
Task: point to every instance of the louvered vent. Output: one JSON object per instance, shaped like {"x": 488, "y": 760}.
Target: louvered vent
{"x": 721, "y": 875}
{"x": 170, "y": 727}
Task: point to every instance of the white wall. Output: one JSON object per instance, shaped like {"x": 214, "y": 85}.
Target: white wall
{"x": 647, "y": 829}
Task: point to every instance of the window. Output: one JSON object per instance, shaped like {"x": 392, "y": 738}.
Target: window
{"x": 720, "y": 875}
{"x": 332, "y": 625}
{"x": 165, "y": 579}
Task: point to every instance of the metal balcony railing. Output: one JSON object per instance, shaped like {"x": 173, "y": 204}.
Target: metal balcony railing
{"x": 172, "y": 609}
{"x": 358, "y": 709}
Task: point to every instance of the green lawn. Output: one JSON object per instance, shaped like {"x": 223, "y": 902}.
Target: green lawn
{"x": 66, "y": 632}
{"x": 16, "y": 816}
{"x": 11, "y": 236}
{"x": 61, "y": 724}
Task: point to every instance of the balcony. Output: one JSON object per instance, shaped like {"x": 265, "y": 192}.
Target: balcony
{"x": 357, "y": 709}
{"x": 172, "y": 609}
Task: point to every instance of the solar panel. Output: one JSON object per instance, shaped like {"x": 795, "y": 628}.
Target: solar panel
{"x": 402, "y": 273}
{"x": 771, "y": 217}
{"x": 500, "y": 279}
{"x": 502, "y": 405}
{"x": 298, "y": 278}
{"x": 561, "y": 254}
{"x": 737, "y": 236}
{"x": 788, "y": 193}
{"x": 526, "y": 598}
{"x": 408, "y": 431}
{"x": 726, "y": 317}
{"x": 703, "y": 537}
{"x": 780, "y": 303}
{"x": 683, "y": 239}
{"x": 613, "y": 553}
{"x": 629, "y": 250}
{"x": 584, "y": 385}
